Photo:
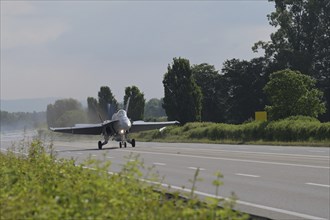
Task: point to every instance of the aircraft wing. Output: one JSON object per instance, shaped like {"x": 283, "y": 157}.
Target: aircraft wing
{"x": 88, "y": 129}
{"x": 144, "y": 126}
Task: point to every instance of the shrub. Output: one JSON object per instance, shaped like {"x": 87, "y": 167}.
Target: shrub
{"x": 297, "y": 128}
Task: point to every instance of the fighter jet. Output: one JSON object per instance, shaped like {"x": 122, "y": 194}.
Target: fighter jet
{"x": 118, "y": 128}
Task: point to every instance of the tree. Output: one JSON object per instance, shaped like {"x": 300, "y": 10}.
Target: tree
{"x": 302, "y": 40}
{"x": 92, "y": 110}
{"x": 244, "y": 82}
{"x": 105, "y": 98}
{"x": 208, "y": 79}
{"x": 136, "y": 103}
{"x": 21, "y": 120}
{"x": 154, "y": 109}
{"x": 65, "y": 112}
{"x": 71, "y": 117}
{"x": 292, "y": 93}
{"x": 183, "y": 98}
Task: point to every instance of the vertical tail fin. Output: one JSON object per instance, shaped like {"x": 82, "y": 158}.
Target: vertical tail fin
{"x": 127, "y": 104}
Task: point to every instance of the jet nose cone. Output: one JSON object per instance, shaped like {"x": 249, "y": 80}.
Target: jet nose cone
{"x": 126, "y": 125}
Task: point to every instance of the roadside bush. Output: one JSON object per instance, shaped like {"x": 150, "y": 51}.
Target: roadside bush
{"x": 323, "y": 131}
{"x": 291, "y": 129}
{"x": 253, "y": 131}
{"x": 39, "y": 186}
{"x": 297, "y": 128}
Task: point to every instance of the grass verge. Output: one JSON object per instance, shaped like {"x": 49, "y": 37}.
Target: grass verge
{"x": 291, "y": 131}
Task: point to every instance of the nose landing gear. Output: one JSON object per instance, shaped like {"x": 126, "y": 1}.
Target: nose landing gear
{"x": 121, "y": 143}
{"x": 124, "y": 143}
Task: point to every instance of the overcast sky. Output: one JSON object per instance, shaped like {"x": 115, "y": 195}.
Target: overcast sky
{"x": 69, "y": 49}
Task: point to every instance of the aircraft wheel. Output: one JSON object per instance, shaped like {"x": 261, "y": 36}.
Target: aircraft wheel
{"x": 133, "y": 142}
{"x": 100, "y": 145}
{"x": 120, "y": 144}
{"x": 125, "y": 144}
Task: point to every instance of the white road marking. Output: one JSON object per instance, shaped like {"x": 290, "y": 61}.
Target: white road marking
{"x": 316, "y": 184}
{"x": 316, "y": 151}
{"x": 94, "y": 155}
{"x": 229, "y": 159}
{"x": 159, "y": 164}
{"x": 274, "y": 149}
{"x": 195, "y": 168}
{"x": 255, "y": 152}
{"x": 110, "y": 157}
{"x": 283, "y": 211}
{"x": 248, "y": 175}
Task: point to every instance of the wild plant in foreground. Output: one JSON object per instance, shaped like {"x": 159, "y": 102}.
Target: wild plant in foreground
{"x": 40, "y": 186}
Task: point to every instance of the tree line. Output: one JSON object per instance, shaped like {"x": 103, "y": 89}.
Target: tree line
{"x": 291, "y": 78}
{"x": 67, "y": 112}
{"x": 299, "y": 47}
{"x": 21, "y": 120}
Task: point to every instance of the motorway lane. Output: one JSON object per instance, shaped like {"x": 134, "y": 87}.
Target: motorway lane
{"x": 289, "y": 183}
{"x": 275, "y": 182}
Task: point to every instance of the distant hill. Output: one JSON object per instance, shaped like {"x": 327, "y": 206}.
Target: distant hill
{"x": 26, "y": 105}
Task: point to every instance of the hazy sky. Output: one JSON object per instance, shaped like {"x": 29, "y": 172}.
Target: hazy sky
{"x": 71, "y": 48}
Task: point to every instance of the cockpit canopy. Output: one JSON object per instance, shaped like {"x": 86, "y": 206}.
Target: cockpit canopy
{"x": 121, "y": 113}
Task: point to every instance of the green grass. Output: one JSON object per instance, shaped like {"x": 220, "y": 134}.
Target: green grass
{"x": 40, "y": 186}
{"x": 291, "y": 131}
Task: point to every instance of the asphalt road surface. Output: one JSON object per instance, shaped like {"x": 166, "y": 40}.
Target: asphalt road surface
{"x": 270, "y": 181}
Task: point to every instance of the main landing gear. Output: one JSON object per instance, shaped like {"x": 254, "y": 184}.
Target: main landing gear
{"x": 121, "y": 143}
{"x": 100, "y": 143}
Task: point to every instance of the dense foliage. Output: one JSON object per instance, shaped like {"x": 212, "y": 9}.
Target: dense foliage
{"x": 38, "y": 186}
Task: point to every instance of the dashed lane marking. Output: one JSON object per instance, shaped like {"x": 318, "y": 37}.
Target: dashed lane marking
{"x": 316, "y": 184}
{"x": 247, "y": 175}
{"x": 159, "y": 164}
{"x": 195, "y": 168}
